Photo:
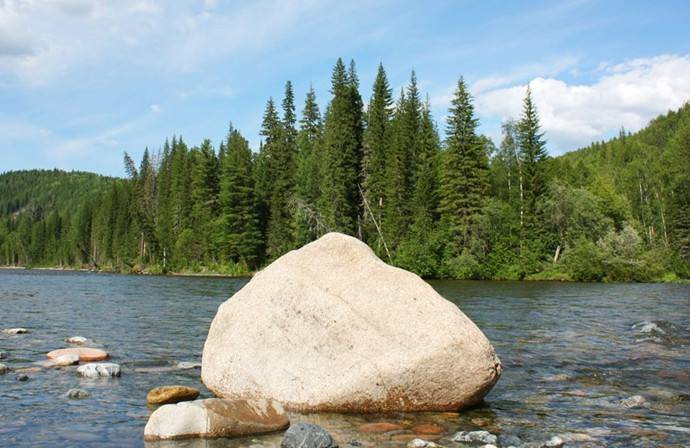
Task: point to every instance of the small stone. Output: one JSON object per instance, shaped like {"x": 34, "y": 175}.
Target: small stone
{"x": 15, "y": 331}
{"x": 85, "y": 354}
{"x": 429, "y": 429}
{"x": 636, "y": 401}
{"x": 307, "y": 435}
{"x": 77, "y": 394}
{"x": 22, "y": 377}
{"x": 419, "y": 443}
{"x": 3, "y": 369}
{"x": 489, "y": 445}
{"x": 475, "y": 437}
{"x": 554, "y": 442}
{"x": 171, "y": 394}
{"x": 101, "y": 369}
{"x": 3, "y": 355}
{"x": 509, "y": 440}
{"x": 381, "y": 427}
{"x": 355, "y": 443}
{"x": 64, "y": 360}
{"x": 478, "y": 421}
{"x": 215, "y": 418}
{"x": 77, "y": 340}
{"x": 188, "y": 365}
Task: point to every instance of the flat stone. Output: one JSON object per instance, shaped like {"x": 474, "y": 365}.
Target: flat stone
{"x": 215, "y": 417}
{"x": 85, "y": 354}
{"x": 64, "y": 360}
{"x": 428, "y": 429}
{"x": 307, "y": 435}
{"x": 373, "y": 428}
{"x": 77, "y": 340}
{"x": 171, "y": 394}
{"x": 317, "y": 314}
{"x": 77, "y": 394}
{"x": 100, "y": 369}
{"x": 15, "y": 331}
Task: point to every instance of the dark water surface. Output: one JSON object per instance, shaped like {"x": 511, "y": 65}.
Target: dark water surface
{"x": 573, "y": 356}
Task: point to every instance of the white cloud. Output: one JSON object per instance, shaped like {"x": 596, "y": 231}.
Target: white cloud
{"x": 573, "y": 115}
{"x": 155, "y": 108}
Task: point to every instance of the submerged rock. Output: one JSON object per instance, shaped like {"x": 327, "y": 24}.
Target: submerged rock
{"x": 331, "y": 327}
{"x": 15, "y": 331}
{"x": 100, "y": 369}
{"x": 171, "y": 394}
{"x": 636, "y": 401}
{"x": 215, "y": 417}
{"x": 307, "y": 435}
{"x": 475, "y": 437}
{"x": 22, "y": 377}
{"x": 77, "y": 394}
{"x": 77, "y": 340}
{"x": 379, "y": 427}
{"x": 85, "y": 354}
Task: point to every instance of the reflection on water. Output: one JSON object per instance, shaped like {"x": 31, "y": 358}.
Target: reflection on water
{"x": 598, "y": 365}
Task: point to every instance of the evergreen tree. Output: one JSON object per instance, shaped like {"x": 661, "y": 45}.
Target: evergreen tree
{"x": 463, "y": 173}
{"x": 204, "y": 192}
{"x": 340, "y": 197}
{"x": 532, "y": 157}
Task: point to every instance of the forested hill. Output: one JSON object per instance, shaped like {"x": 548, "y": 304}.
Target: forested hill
{"x": 462, "y": 207}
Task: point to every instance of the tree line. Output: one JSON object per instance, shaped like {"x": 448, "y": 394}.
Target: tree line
{"x": 457, "y": 207}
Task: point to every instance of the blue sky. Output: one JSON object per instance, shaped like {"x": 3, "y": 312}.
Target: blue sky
{"x": 82, "y": 81}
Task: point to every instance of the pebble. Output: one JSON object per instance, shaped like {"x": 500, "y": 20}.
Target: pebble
{"x": 419, "y": 443}
{"x": 14, "y": 331}
{"x": 475, "y": 437}
{"x": 307, "y": 435}
{"x": 101, "y": 369}
{"x": 77, "y": 394}
{"x": 171, "y": 394}
{"x": 554, "y": 442}
{"x": 3, "y": 355}
{"x": 78, "y": 340}
{"x": 3, "y": 369}
{"x": 22, "y": 377}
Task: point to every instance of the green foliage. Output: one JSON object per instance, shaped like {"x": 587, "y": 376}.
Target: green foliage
{"x": 462, "y": 208}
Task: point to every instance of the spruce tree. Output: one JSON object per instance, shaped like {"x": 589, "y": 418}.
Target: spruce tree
{"x": 374, "y": 163}
{"x": 463, "y": 173}
{"x": 307, "y": 178}
{"x": 340, "y": 199}
{"x": 532, "y": 157}
{"x": 204, "y": 192}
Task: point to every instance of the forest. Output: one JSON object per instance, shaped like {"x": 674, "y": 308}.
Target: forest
{"x": 460, "y": 207}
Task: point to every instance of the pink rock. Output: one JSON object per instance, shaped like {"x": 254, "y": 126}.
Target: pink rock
{"x": 85, "y": 354}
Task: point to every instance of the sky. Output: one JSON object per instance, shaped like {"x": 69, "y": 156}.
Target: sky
{"x": 83, "y": 81}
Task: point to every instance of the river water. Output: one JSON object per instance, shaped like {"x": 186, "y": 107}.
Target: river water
{"x": 596, "y": 364}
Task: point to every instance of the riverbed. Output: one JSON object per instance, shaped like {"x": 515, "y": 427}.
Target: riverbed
{"x": 595, "y": 364}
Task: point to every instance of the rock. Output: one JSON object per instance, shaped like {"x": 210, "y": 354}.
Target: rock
{"x": 636, "y": 401}
{"x": 100, "y": 369}
{"x": 419, "y": 443}
{"x": 77, "y": 394}
{"x": 15, "y": 331}
{"x": 22, "y": 377}
{"x": 171, "y": 394}
{"x": 3, "y": 369}
{"x": 64, "y": 360}
{"x": 186, "y": 365}
{"x": 77, "y": 340}
{"x": 3, "y": 355}
{"x": 215, "y": 417}
{"x": 85, "y": 354}
{"x": 554, "y": 442}
{"x": 373, "y": 428}
{"x": 475, "y": 437}
{"x": 429, "y": 429}
{"x": 489, "y": 445}
{"x": 307, "y": 435}
{"x": 330, "y": 327}
{"x": 509, "y": 440}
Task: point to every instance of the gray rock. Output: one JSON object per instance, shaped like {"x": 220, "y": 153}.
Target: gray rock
{"x": 22, "y": 377}
{"x": 636, "y": 401}
{"x": 187, "y": 365}
{"x": 99, "y": 369}
{"x": 509, "y": 440}
{"x": 77, "y": 394}
{"x": 307, "y": 435}
{"x": 14, "y": 331}
{"x": 475, "y": 437}
{"x": 3, "y": 369}
{"x": 554, "y": 442}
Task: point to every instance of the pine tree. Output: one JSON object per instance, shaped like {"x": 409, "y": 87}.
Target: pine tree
{"x": 374, "y": 163}
{"x": 463, "y": 173}
{"x": 340, "y": 199}
{"x": 242, "y": 235}
{"x": 532, "y": 157}
{"x": 204, "y": 200}
{"x": 307, "y": 176}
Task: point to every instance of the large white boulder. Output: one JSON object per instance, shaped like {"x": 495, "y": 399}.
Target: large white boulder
{"x": 331, "y": 327}
{"x": 215, "y": 417}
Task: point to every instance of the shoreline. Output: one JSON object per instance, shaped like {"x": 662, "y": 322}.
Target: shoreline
{"x": 215, "y": 274}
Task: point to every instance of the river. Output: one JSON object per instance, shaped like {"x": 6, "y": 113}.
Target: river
{"x": 596, "y": 364}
